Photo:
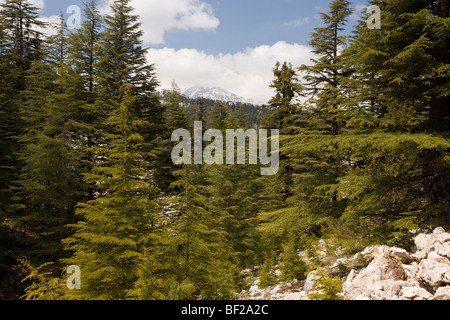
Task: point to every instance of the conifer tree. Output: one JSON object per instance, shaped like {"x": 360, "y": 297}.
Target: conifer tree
{"x": 284, "y": 104}
{"x": 174, "y": 118}
{"x": 80, "y": 90}
{"x": 399, "y": 84}
{"x": 10, "y": 248}
{"x": 116, "y": 226}
{"x": 123, "y": 60}
{"x": 232, "y": 191}
{"x": 406, "y": 62}
{"x": 292, "y": 265}
{"x": 313, "y": 158}
{"x": 326, "y": 78}
{"x": 9, "y": 115}
{"x": 267, "y": 275}
{"x": 20, "y": 45}
{"x": 189, "y": 229}
{"x": 20, "y": 21}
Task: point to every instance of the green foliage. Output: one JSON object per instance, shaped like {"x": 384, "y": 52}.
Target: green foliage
{"x": 174, "y": 118}
{"x": 326, "y": 287}
{"x": 85, "y": 156}
{"x": 292, "y": 266}
{"x": 44, "y": 286}
{"x": 283, "y": 105}
{"x": 107, "y": 242}
{"x": 267, "y": 275}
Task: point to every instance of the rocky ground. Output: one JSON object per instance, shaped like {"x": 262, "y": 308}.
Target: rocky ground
{"x": 379, "y": 273}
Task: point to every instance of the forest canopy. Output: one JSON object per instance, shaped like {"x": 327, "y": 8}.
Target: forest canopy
{"x": 87, "y": 180}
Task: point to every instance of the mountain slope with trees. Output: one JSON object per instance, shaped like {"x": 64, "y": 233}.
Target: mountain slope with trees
{"x": 86, "y": 176}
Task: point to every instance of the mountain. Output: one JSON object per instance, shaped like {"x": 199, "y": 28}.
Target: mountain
{"x": 216, "y": 94}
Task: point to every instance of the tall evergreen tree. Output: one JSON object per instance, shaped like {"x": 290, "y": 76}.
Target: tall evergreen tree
{"x": 284, "y": 104}
{"x": 123, "y": 60}
{"x": 325, "y": 79}
{"x": 174, "y": 118}
{"x": 116, "y": 226}
{"x": 206, "y": 268}
{"x": 405, "y": 64}
{"x": 8, "y": 124}
{"x": 21, "y": 22}
{"x": 312, "y": 158}
{"x": 400, "y": 73}
{"x": 79, "y": 99}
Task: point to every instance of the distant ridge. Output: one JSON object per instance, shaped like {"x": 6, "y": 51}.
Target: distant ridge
{"x": 214, "y": 93}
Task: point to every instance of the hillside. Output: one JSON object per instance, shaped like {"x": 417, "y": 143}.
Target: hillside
{"x": 189, "y": 101}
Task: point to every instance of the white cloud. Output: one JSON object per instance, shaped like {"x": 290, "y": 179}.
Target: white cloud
{"x": 298, "y": 22}
{"x": 38, "y": 3}
{"x": 360, "y": 10}
{"x": 247, "y": 74}
{"x": 52, "y": 25}
{"x": 159, "y": 17}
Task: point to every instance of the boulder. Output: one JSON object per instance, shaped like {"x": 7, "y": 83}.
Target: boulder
{"x": 393, "y": 273}
{"x": 444, "y": 249}
{"x": 442, "y": 293}
{"x": 433, "y": 274}
{"x": 424, "y": 241}
{"x": 310, "y": 281}
{"x": 415, "y": 293}
{"x": 402, "y": 254}
{"x": 441, "y": 235}
{"x": 382, "y": 279}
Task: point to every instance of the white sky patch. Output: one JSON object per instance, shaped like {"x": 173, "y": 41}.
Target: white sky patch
{"x": 298, "y": 22}
{"x": 159, "y": 17}
{"x": 360, "y": 10}
{"x": 37, "y": 3}
{"x": 247, "y": 74}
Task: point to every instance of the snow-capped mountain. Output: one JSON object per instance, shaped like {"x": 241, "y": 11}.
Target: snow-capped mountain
{"x": 213, "y": 94}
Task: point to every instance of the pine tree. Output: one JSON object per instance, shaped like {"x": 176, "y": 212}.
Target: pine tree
{"x": 21, "y": 20}
{"x": 292, "y": 265}
{"x": 79, "y": 97}
{"x": 117, "y": 225}
{"x": 189, "y": 229}
{"x": 391, "y": 156}
{"x": 8, "y": 124}
{"x": 326, "y": 78}
{"x": 313, "y": 159}
{"x": 123, "y": 60}
{"x": 409, "y": 73}
{"x": 174, "y": 118}
{"x": 10, "y": 248}
{"x": 267, "y": 275}
{"x": 207, "y": 268}
{"x": 20, "y": 45}
{"x": 284, "y": 104}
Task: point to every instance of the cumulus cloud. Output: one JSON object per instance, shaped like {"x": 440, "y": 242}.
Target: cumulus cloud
{"x": 159, "y": 17}
{"x": 247, "y": 73}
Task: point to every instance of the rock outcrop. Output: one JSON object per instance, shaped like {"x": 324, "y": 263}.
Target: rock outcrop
{"x": 388, "y": 273}
{"x": 395, "y": 274}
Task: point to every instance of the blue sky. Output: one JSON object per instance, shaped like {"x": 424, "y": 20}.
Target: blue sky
{"x": 232, "y": 44}
{"x": 242, "y": 24}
